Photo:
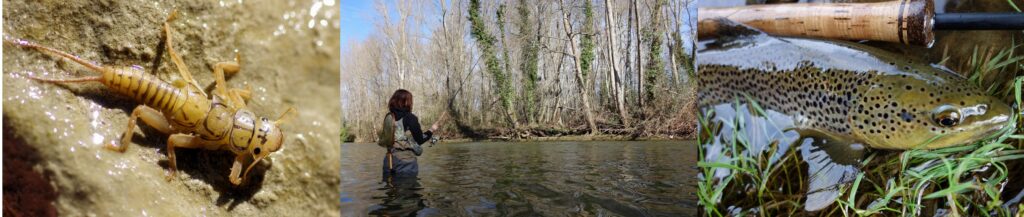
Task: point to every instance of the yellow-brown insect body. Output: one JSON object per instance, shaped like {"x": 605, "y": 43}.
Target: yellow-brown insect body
{"x": 249, "y": 132}
{"x": 193, "y": 119}
{"x": 237, "y": 130}
{"x": 185, "y": 109}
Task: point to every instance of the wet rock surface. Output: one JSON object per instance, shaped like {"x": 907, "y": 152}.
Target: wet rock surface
{"x": 289, "y": 57}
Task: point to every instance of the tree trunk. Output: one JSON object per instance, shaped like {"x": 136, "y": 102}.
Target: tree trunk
{"x": 529, "y": 40}
{"x": 504, "y": 55}
{"x": 486, "y": 42}
{"x": 639, "y": 56}
{"x": 557, "y": 114}
{"x": 580, "y": 80}
{"x": 655, "y": 67}
{"x": 617, "y": 83}
{"x": 673, "y": 46}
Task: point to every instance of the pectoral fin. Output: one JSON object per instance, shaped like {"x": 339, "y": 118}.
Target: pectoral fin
{"x": 833, "y": 162}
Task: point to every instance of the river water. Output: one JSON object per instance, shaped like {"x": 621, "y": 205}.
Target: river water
{"x": 597, "y": 178}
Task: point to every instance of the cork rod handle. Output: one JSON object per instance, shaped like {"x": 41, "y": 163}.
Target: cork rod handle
{"x": 902, "y": 21}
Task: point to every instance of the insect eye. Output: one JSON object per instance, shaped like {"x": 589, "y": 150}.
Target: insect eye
{"x": 256, "y": 151}
{"x": 947, "y": 118}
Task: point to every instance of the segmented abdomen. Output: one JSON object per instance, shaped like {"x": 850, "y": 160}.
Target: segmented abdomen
{"x": 144, "y": 88}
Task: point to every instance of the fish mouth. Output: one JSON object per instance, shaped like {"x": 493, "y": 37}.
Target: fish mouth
{"x": 991, "y": 131}
{"x": 1001, "y": 123}
{"x": 992, "y": 126}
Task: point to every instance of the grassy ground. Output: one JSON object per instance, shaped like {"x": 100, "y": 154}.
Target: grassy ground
{"x": 963, "y": 180}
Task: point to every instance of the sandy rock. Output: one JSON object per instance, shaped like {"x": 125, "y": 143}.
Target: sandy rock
{"x": 287, "y": 63}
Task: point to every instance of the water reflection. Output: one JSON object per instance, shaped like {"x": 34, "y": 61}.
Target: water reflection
{"x": 527, "y": 179}
{"x": 401, "y": 197}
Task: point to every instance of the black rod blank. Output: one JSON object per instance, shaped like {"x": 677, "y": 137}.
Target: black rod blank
{"x": 979, "y": 21}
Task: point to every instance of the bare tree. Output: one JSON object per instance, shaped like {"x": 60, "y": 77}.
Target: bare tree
{"x": 493, "y": 64}
{"x": 617, "y": 84}
{"x": 580, "y": 79}
{"x": 639, "y": 58}
{"x": 555, "y": 68}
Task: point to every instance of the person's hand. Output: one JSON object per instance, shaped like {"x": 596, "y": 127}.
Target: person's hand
{"x": 430, "y": 137}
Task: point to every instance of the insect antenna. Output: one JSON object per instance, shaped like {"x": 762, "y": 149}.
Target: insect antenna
{"x": 284, "y": 116}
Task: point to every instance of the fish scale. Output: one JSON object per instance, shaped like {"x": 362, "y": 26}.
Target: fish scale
{"x": 848, "y": 90}
{"x": 790, "y": 91}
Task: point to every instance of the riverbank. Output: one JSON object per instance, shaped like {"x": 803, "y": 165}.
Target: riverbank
{"x": 600, "y": 137}
{"x": 522, "y": 137}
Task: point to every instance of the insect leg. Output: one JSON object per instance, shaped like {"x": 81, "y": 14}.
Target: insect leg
{"x": 236, "y": 169}
{"x": 221, "y": 86}
{"x": 150, "y": 116}
{"x": 182, "y": 68}
{"x": 241, "y": 95}
{"x": 181, "y": 140}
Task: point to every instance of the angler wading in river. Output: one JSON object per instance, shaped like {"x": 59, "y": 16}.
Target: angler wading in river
{"x": 402, "y": 136}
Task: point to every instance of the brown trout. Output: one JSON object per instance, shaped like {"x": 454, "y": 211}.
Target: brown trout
{"x": 838, "y": 97}
{"x": 847, "y": 90}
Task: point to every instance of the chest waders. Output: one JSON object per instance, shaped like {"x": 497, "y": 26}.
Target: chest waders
{"x": 397, "y": 139}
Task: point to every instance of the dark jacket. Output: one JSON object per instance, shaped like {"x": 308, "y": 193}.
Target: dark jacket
{"x": 412, "y": 123}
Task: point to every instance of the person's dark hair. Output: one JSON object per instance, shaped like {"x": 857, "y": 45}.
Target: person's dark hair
{"x": 401, "y": 99}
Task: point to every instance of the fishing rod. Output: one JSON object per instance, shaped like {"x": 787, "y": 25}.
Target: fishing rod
{"x": 904, "y": 21}
{"x": 437, "y": 125}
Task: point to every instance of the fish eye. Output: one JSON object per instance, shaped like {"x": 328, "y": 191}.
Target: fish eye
{"x": 947, "y": 118}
